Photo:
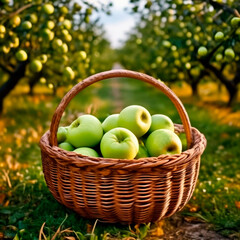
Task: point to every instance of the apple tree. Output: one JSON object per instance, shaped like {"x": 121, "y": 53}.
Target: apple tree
{"x": 56, "y": 43}
{"x": 186, "y": 40}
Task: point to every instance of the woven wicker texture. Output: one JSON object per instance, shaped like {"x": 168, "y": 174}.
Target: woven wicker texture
{"x": 120, "y": 190}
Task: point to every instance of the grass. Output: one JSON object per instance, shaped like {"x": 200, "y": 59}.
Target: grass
{"x": 27, "y": 208}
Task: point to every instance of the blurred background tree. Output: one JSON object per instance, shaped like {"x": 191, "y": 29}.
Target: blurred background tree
{"x": 57, "y": 43}
{"x": 187, "y": 41}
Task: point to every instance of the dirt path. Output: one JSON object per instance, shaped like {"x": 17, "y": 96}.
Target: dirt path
{"x": 116, "y": 85}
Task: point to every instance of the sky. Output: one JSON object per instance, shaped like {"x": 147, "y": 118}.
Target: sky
{"x": 118, "y": 23}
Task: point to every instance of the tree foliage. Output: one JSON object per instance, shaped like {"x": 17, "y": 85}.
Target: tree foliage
{"x": 56, "y": 43}
{"x": 186, "y": 40}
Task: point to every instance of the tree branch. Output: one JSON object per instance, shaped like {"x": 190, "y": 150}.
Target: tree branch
{"x": 20, "y": 10}
{"x": 5, "y": 69}
{"x": 225, "y": 7}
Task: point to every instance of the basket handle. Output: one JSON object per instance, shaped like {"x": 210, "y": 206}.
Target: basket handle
{"x": 112, "y": 74}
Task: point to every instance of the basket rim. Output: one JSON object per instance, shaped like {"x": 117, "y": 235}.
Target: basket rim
{"x": 64, "y": 157}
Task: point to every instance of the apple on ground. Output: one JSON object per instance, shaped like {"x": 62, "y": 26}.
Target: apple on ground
{"x": 135, "y": 118}
{"x": 86, "y": 151}
{"x": 161, "y": 121}
{"x": 110, "y": 122}
{"x": 85, "y": 131}
{"x": 62, "y": 134}
{"x": 66, "y": 146}
{"x": 119, "y": 143}
{"x": 163, "y": 141}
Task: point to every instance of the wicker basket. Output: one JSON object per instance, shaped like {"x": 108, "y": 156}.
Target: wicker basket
{"x": 118, "y": 190}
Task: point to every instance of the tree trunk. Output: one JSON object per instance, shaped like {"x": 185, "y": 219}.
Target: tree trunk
{"x": 231, "y": 86}
{"x": 33, "y": 81}
{"x": 194, "y": 86}
{"x": 232, "y": 91}
{"x": 13, "y": 80}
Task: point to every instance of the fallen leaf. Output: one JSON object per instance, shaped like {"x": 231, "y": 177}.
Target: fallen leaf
{"x": 158, "y": 230}
{"x": 89, "y": 228}
{"x": 237, "y": 203}
{"x": 2, "y": 198}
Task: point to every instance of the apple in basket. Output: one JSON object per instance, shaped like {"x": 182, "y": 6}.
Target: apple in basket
{"x": 119, "y": 143}
{"x": 135, "y": 118}
{"x": 163, "y": 141}
{"x": 86, "y": 151}
{"x": 66, "y": 146}
{"x": 110, "y": 122}
{"x": 142, "y": 152}
{"x": 85, "y": 131}
{"x": 160, "y": 121}
{"x": 62, "y": 134}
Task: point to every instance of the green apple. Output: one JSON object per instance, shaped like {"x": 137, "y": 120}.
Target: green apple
{"x": 66, "y": 146}
{"x": 83, "y": 55}
{"x": 77, "y": 7}
{"x": 119, "y": 143}
{"x": 219, "y": 57}
{"x": 36, "y": 65}
{"x": 229, "y": 53}
{"x": 2, "y": 29}
{"x": 47, "y": 34}
{"x": 219, "y": 36}
{"x": 26, "y": 25}
{"x": 160, "y": 121}
{"x": 48, "y": 8}
{"x": 21, "y": 55}
{"x": 85, "y": 131}
{"x": 163, "y": 141}
{"x": 202, "y": 51}
{"x": 235, "y": 21}
{"x": 43, "y": 58}
{"x": 50, "y": 24}
{"x": 67, "y": 24}
{"x": 62, "y": 134}
{"x": 64, "y": 10}
{"x": 63, "y": 49}
{"x": 166, "y": 43}
{"x": 15, "y": 21}
{"x": 68, "y": 73}
{"x": 142, "y": 152}
{"x": 135, "y": 118}
{"x": 68, "y": 37}
{"x": 88, "y": 11}
{"x": 86, "y": 151}
{"x": 110, "y": 122}
{"x": 33, "y": 18}
{"x": 56, "y": 43}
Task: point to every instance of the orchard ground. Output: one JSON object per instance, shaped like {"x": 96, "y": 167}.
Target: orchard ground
{"x": 28, "y": 209}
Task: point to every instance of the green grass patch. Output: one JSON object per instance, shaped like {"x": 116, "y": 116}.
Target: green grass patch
{"x": 26, "y": 203}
